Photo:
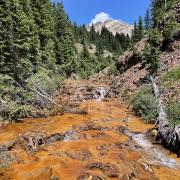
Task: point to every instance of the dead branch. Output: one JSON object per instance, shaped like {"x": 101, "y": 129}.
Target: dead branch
{"x": 42, "y": 95}
{"x": 169, "y": 135}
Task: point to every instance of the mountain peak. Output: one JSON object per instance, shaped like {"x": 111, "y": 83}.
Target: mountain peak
{"x": 113, "y": 25}
{"x": 100, "y": 18}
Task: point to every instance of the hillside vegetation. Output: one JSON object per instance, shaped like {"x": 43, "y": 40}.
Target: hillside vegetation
{"x": 40, "y": 47}
{"x": 38, "y": 51}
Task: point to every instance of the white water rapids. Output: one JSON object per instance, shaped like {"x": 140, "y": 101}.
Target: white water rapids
{"x": 157, "y": 156}
{"x": 100, "y": 93}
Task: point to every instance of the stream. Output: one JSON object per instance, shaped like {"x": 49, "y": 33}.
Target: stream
{"x": 107, "y": 143}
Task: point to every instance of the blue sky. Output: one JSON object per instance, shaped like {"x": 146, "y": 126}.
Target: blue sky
{"x": 83, "y": 11}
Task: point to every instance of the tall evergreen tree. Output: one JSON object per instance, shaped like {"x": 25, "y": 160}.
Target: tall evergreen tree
{"x": 18, "y": 52}
{"x": 135, "y": 33}
{"x": 147, "y": 20}
{"x": 85, "y": 53}
{"x": 43, "y": 15}
{"x": 75, "y": 31}
{"x": 93, "y": 34}
{"x": 6, "y": 27}
{"x": 140, "y": 28}
{"x": 65, "y": 49}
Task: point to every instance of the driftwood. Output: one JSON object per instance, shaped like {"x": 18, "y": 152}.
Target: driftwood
{"x": 169, "y": 135}
{"x": 44, "y": 96}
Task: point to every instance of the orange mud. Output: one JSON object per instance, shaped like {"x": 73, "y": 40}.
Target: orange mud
{"x": 74, "y": 159}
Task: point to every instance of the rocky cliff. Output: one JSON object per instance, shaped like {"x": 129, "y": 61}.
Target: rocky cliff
{"x": 114, "y": 26}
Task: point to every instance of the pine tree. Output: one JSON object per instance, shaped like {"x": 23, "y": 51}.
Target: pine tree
{"x": 140, "y": 28}
{"x": 128, "y": 42}
{"x": 159, "y": 8}
{"x": 85, "y": 53}
{"x": 123, "y": 40}
{"x": 35, "y": 56}
{"x": 99, "y": 49}
{"x": 44, "y": 19}
{"x": 75, "y": 31}
{"x": 65, "y": 49}
{"x": 18, "y": 36}
{"x": 93, "y": 34}
{"x": 6, "y": 27}
{"x": 135, "y": 33}
{"x": 84, "y": 34}
{"x": 147, "y": 20}
{"x": 151, "y": 59}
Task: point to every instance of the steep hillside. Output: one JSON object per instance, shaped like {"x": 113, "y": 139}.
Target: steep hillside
{"x": 149, "y": 78}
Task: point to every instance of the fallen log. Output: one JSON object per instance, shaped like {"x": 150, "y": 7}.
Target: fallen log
{"x": 44, "y": 96}
{"x": 169, "y": 135}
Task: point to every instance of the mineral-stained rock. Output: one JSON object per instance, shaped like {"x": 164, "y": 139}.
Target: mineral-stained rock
{"x": 54, "y": 178}
{"x": 44, "y": 173}
{"x": 55, "y": 137}
{"x": 90, "y": 176}
{"x": 6, "y": 147}
{"x": 108, "y": 169}
{"x": 6, "y": 158}
{"x": 83, "y": 155}
{"x": 30, "y": 141}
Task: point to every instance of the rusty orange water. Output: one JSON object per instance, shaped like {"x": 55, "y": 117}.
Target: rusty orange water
{"x": 70, "y": 160}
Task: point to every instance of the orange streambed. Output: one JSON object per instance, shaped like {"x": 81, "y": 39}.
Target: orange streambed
{"x": 101, "y": 152}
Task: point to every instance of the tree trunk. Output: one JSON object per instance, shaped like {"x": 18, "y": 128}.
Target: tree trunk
{"x": 169, "y": 135}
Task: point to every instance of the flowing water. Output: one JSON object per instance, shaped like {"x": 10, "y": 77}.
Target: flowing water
{"x": 100, "y": 93}
{"x": 155, "y": 153}
{"x": 91, "y": 146}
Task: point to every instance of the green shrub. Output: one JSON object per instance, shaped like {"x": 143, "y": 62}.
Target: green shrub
{"x": 172, "y": 75}
{"x": 125, "y": 94}
{"x": 17, "y": 101}
{"x": 113, "y": 69}
{"x": 171, "y": 28}
{"x": 173, "y": 111}
{"x": 13, "y": 111}
{"x": 154, "y": 37}
{"x": 151, "y": 58}
{"x": 145, "y": 105}
{"x": 46, "y": 80}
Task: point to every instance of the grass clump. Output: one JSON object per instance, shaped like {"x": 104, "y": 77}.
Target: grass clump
{"x": 145, "y": 105}
{"x": 173, "y": 111}
{"x": 172, "y": 75}
{"x": 125, "y": 94}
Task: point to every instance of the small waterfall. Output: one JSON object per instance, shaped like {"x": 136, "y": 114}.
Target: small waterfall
{"x": 155, "y": 153}
{"x": 100, "y": 93}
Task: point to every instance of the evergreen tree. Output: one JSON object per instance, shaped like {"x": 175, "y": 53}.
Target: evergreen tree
{"x": 44, "y": 18}
{"x": 99, "y": 49}
{"x": 151, "y": 59}
{"x": 127, "y": 42}
{"x": 140, "y": 28}
{"x": 147, "y": 20}
{"x": 152, "y": 51}
{"x": 135, "y": 33}
{"x": 159, "y": 8}
{"x": 93, "y": 34}
{"x": 6, "y": 28}
{"x": 123, "y": 40}
{"x": 85, "y": 53}
{"x": 18, "y": 52}
{"x": 65, "y": 50}
{"x": 75, "y": 31}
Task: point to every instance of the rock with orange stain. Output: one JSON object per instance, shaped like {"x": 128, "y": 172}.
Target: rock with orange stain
{"x": 93, "y": 147}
